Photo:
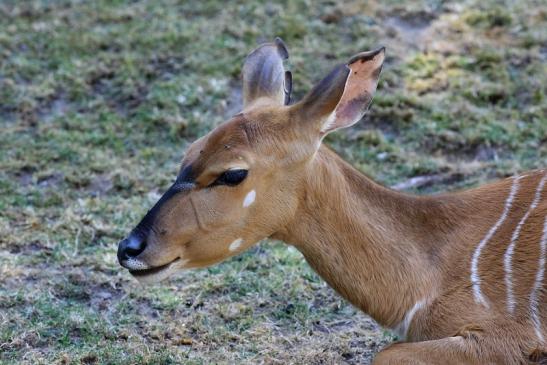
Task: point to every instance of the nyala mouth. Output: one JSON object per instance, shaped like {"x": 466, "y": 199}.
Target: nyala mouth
{"x": 152, "y": 270}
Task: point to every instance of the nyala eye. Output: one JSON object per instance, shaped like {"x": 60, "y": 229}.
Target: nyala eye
{"x": 231, "y": 177}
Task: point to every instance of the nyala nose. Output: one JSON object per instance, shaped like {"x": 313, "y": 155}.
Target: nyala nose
{"x": 130, "y": 247}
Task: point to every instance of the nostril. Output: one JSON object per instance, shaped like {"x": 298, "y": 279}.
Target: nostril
{"x": 135, "y": 245}
{"x": 131, "y": 247}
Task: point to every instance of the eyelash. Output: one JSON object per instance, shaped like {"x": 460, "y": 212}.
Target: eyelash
{"x": 231, "y": 177}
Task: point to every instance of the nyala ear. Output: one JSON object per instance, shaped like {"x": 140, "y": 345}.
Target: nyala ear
{"x": 343, "y": 97}
{"x": 264, "y": 77}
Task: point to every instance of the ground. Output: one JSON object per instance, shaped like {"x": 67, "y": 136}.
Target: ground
{"x": 99, "y": 99}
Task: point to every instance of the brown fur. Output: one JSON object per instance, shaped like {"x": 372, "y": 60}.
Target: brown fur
{"x": 381, "y": 250}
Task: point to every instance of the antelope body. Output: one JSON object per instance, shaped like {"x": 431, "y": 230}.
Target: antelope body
{"x": 460, "y": 277}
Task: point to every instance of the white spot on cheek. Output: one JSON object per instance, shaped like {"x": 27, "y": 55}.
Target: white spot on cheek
{"x": 235, "y": 245}
{"x": 249, "y": 198}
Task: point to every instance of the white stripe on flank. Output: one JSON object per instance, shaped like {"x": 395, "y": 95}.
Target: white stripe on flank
{"x": 508, "y": 258}
{"x": 475, "y": 279}
{"x": 402, "y": 328}
{"x": 534, "y": 311}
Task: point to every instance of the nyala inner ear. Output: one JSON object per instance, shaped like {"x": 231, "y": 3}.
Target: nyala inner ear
{"x": 264, "y": 77}
{"x": 343, "y": 97}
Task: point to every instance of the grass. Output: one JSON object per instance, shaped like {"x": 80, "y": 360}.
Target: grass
{"x": 98, "y": 101}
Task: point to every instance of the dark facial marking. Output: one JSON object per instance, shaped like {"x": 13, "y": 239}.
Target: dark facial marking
{"x": 184, "y": 182}
{"x": 186, "y": 176}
